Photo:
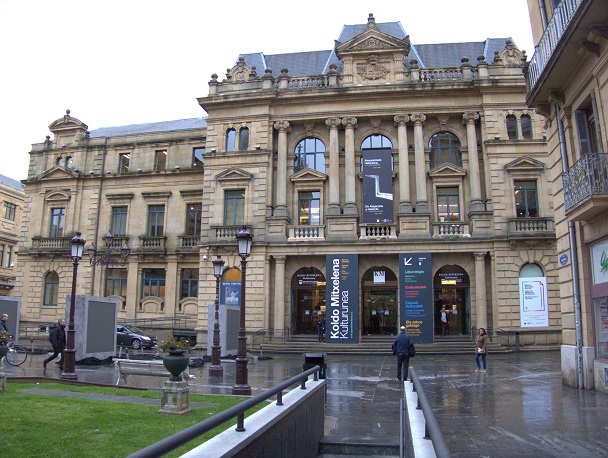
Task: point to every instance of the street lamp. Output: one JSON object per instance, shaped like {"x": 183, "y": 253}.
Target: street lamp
{"x": 242, "y": 387}
{"x": 216, "y": 368}
{"x": 106, "y": 259}
{"x": 69, "y": 370}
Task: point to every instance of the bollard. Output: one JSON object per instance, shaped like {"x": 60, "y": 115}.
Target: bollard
{"x": 517, "y": 342}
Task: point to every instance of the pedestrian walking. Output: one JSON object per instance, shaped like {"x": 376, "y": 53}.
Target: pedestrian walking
{"x": 401, "y": 348}
{"x": 481, "y": 349}
{"x": 444, "y": 322}
{"x": 57, "y": 339}
{"x": 321, "y": 328}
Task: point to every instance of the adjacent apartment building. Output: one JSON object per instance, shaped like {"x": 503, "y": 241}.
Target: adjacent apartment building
{"x": 410, "y": 178}
{"x": 568, "y": 84}
{"x": 11, "y": 199}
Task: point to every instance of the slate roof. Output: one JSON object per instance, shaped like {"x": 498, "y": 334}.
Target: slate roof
{"x": 428, "y": 55}
{"x": 150, "y": 128}
{"x": 12, "y": 183}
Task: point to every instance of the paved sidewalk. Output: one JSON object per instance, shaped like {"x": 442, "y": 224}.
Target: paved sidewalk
{"x": 517, "y": 408}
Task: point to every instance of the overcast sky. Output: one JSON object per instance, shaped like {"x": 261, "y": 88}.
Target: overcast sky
{"x": 119, "y": 62}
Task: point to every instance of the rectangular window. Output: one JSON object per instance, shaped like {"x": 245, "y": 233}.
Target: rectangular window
{"x": 116, "y": 283}
{"x": 51, "y": 290}
{"x": 189, "y": 285}
{"x": 9, "y": 211}
{"x": 153, "y": 283}
{"x": 160, "y": 160}
{"x": 57, "y": 222}
{"x": 119, "y": 221}
{"x": 193, "y": 219}
{"x": 601, "y": 326}
{"x": 198, "y": 159}
{"x": 8, "y": 256}
{"x": 1, "y": 254}
{"x": 448, "y": 204}
{"x": 156, "y": 220}
{"x": 526, "y": 201}
{"x": 234, "y": 207}
{"x": 309, "y": 204}
{"x": 124, "y": 162}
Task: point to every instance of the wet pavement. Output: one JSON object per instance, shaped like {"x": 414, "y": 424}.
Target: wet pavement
{"x": 517, "y": 408}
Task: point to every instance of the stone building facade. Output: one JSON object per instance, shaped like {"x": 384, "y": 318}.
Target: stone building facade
{"x": 11, "y": 198}
{"x": 567, "y": 83}
{"x": 373, "y": 151}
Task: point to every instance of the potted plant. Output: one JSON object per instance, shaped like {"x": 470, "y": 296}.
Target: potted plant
{"x": 175, "y": 361}
{"x": 5, "y": 338}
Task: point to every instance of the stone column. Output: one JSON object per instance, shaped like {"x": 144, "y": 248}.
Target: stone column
{"x": 350, "y": 206}
{"x": 469, "y": 120}
{"x": 281, "y": 192}
{"x": 480, "y": 291}
{"x": 405, "y": 202}
{"x": 171, "y": 285}
{"x": 132, "y": 299}
{"x": 422, "y": 204}
{"x": 334, "y": 166}
{"x": 279, "y": 293}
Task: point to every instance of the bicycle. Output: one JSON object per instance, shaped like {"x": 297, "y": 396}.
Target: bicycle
{"x": 16, "y": 355}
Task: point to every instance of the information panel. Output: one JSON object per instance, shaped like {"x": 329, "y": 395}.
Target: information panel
{"x": 416, "y": 290}
{"x": 342, "y": 298}
{"x": 533, "y": 302}
{"x": 377, "y": 186}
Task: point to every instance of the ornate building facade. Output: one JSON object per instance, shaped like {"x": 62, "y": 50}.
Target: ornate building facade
{"x": 567, "y": 83}
{"x": 11, "y": 198}
{"x": 374, "y": 152}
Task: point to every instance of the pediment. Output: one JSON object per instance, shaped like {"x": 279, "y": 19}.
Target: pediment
{"x": 447, "y": 170}
{"x": 67, "y": 123}
{"x": 308, "y": 175}
{"x": 240, "y": 72}
{"x": 57, "y": 172}
{"x": 373, "y": 40}
{"x": 525, "y": 163}
{"x": 234, "y": 173}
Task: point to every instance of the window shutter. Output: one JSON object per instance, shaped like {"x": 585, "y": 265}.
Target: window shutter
{"x": 584, "y": 136}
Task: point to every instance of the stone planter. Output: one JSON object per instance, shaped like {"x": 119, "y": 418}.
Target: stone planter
{"x": 176, "y": 362}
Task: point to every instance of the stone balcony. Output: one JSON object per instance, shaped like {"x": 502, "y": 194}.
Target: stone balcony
{"x": 303, "y": 233}
{"x": 451, "y": 229}
{"x": 531, "y": 227}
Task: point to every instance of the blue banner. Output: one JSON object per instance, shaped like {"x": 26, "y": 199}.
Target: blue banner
{"x": 416, "y": 295}
{"x": 342, "y": 298}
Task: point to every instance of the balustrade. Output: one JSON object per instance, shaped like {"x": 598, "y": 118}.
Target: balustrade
{"x": 375, "y": 231}
{"x": 530, "y": 226}
{"x": 306, "y": 232}
{"x": 443, "y": 74}
{"x": 451, "y": 229}
{"x": 189, "y": 241}
{"x": 53, "y": 243}
{"x": 152, "y": 243}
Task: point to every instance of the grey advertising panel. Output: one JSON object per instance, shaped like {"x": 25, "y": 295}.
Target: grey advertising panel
{"x": 416, "y": 294}
{"x": 10, "y": 306}
{"x": 342, "y": 298}
{"x": 229, "y": 320}
{"x": 377, "y": 186}
{"x": 101, "y": 327}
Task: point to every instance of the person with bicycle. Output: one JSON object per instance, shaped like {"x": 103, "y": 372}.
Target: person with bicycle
{"x": 3, "y": 321}
{"x": 58, "y": 342}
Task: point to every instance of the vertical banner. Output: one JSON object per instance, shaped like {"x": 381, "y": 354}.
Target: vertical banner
{"x": 377, "y": 186}
{"x": 342, "y": 298}
{"x": 416, "y": 291}
{"x": 533, "y": 302}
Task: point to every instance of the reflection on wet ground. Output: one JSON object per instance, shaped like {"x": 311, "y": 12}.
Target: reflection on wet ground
{"x": 517, "y": 408}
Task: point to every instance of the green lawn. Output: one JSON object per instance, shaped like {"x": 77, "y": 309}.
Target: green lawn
{"x": 40, "y": 425}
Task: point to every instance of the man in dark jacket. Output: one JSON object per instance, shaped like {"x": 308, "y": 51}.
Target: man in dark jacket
{"x": 401, "y": 347}
{"x": 58, "y": 343}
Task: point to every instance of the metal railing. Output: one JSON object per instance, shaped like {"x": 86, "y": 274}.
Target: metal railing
{"x": 262, "y": 336}
{"x": 586, "y": 178}
{"x": 175, "y": 441}
{"x": 175, "y": 322}
{"x": 431, "y": 425}
{"x": 562, "y": 15}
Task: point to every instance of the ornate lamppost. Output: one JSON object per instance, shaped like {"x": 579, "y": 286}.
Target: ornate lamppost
{"x": 242, "y": 387}
{"x": 106, "y": 258}
{"x": 69, "y": 370}
{"x": 216, "y": 369}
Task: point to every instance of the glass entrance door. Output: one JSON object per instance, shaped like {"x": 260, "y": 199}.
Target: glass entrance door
{"x": 379, "y": 312}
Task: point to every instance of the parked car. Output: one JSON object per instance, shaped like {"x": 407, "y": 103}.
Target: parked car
{"x": 130, "y": 336}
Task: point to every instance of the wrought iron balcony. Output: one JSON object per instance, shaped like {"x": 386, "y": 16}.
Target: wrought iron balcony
{"x": 562, "y": 16}
{"x": 586, "y": 182}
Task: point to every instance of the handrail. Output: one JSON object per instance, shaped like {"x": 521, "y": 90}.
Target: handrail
{"x": 431, "y": 426}
{"x": 170, "y": 443}
{"x": 268, "y": 332}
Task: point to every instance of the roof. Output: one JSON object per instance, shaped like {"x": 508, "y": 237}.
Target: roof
{"x": 439, "y": 55}
{"x": 150, "y": 128}
{"x": 12, "y": 183}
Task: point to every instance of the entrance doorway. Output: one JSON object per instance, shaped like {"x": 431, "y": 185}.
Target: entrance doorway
{"x": 308, "y": 300}
{"x": 379, "y": 288}
{"x": 451, "y": 289}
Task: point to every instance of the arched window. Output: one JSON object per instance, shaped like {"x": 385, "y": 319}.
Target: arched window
{"x": 230, "y": 140}
{"x": 68, "y": 162}
{"x": 376, "y": 141}
{"x": 244, "y": 139}
{"x": 310, "y": 153}
{"x": 531, "y": 270}
{"x": 512, "y": 127}
{"x": 60, "y": 161}
{"x": 51, "y": 290}
{"x": 445, "y": 148}
{"x": 526, "y": 126}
